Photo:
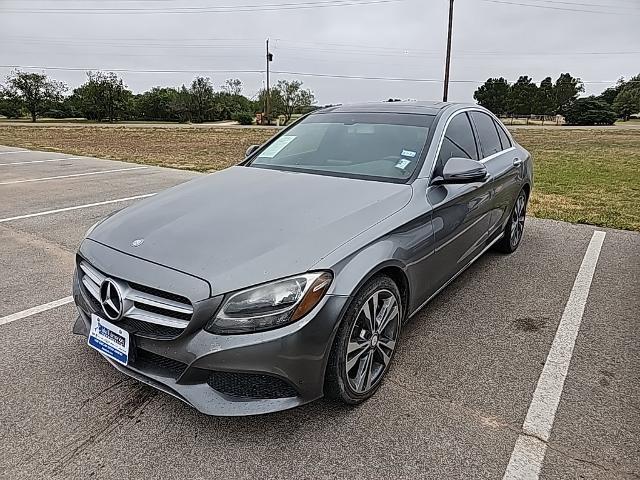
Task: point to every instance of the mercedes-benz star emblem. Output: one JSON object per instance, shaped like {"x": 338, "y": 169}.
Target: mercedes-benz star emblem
{"x": 111, "y": 299}
{"x": 137, "y": 242}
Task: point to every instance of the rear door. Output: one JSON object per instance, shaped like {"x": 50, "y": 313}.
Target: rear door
{"x": 502, "y": 163}
{"x": 461, "y": 212}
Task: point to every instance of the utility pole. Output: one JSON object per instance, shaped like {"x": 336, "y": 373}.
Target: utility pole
{"x": 268, "y": 102}
{"x": 447, "y": 66}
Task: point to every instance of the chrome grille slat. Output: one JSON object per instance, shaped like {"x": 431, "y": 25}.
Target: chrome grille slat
{"x": 92, "y": 273}
{"x": 92, "y": 280}
{"x": 92, "y": 288}
{"x": 165, "y": 303}
{"x": 144, "y": 316}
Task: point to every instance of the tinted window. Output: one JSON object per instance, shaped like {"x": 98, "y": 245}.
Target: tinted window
{"x": 458, "y": 141}
{"x": 487, "y": 133}
{"x": 385, "y": 146}
{"x": 504, "y": 138}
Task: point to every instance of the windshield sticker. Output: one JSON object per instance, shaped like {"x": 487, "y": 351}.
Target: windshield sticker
{"x": 408, "y": 153}
{"x": 275, "y": 148}
{"x": 402, "y": 164}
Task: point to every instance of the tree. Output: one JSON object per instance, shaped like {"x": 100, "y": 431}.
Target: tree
{"x": 522, "y": 96}
{"x": 157, "y": 104}
{"x": 232, "y": 86}
{"x": 610, "y": 94}
{"x": 627, "y": 102}
{"x": 589, "y": 111}
{"x": 292, "y": 98}
{"x": 35, "y": 90}
{"x": 201, "y": 96}
{"x": 566, "y": 91}
{"x": 544, "y": 104}
{"x": 103, "y": 96}
{"x": 10, "y": 104}
{"x": 494, "y": 95}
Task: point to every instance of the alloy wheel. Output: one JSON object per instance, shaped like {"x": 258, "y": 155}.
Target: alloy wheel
{"x": 517, "y": 220}
{"x": 372, "y": 341}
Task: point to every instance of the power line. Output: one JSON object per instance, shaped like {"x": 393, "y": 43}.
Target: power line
{"x": 578, "y": 4}
{"x": 565, "y": 9}
{"x": 218, "y": 9}
{"x": 360, "y": 49}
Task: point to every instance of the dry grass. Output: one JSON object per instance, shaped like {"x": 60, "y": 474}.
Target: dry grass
{"x": 200, "y": 149}
{"x": 581, "y": 176}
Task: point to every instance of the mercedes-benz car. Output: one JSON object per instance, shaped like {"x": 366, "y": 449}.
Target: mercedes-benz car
{"x": 289, "y": 277}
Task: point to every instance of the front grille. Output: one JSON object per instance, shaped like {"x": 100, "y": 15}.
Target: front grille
{"x": 250, "y": 385}
{"x": 146, "y": 360}
{"x": 159, "y": 293}
{"x": 149, "y": 329}
{"x": 149, "y": 310}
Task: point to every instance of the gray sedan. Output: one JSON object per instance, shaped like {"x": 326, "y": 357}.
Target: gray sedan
{"x": 289, "y": 277}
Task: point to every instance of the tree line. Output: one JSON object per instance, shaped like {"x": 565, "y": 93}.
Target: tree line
{"x": 105, "y": 97}
{"x": 524, "y": 98}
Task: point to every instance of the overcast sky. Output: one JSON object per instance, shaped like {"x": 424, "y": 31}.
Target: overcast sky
{"x": 390, "y": 38}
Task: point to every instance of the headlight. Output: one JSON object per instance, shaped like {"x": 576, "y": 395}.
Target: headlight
{"x": 271, "y": 305}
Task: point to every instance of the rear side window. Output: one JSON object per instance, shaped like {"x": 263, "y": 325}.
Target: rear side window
{"x": 487, "y": 133}
{"x": 504, "y": 138}
{"x": 458, "y": 142}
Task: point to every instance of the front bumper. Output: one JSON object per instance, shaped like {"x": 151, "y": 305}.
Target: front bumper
{"x": 231, "y": 375}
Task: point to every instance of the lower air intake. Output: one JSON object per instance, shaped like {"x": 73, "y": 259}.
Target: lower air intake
{"x": 250, "y": 385}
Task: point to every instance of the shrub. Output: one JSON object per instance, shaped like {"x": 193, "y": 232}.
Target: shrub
{"x": 244, "y": 118}
{"x": 590, "y": 111}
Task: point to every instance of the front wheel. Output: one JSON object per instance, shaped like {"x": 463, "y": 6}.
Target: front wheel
{"x": 365, "y": 342}
{"x": 514, "y": 230}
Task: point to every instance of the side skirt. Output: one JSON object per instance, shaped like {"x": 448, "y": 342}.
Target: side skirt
{"x": 457, "y": 274}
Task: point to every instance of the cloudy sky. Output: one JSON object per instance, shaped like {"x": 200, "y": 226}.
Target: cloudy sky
{"x": 168, "y": 42}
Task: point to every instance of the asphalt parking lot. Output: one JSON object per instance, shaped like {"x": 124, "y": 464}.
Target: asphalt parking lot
{"x": 454, "y": 403}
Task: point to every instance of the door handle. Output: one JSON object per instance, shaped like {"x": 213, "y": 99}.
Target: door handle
{"x": 516, "y": 162}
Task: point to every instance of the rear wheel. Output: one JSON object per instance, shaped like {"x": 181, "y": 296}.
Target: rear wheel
{"x": 514, "y": 230}
{"x": 365, "y": 343}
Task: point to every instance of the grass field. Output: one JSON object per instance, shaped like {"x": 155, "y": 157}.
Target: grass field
{"x": 582, "y": 176}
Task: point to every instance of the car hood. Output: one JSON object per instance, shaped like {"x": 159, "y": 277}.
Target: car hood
{"x": 243, "y": 226}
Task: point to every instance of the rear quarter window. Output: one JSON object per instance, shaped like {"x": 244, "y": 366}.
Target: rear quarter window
{"x": 504, "y": 138}
{"x": 487, "y": 134}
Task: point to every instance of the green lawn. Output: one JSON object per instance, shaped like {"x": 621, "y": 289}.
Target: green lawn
{"x": 586, "y": 176}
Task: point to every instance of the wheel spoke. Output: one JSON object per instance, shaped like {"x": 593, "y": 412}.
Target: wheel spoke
{"x": 369, "y": 314}
{"x": 386, "y": 358}
{"x": 392, "y": 314}
{"x": 383, "y": 315}
{"x": 353, "y": 361}
{"x": 355, "y": 346}
{"x": 369, "y": 377}
{"x": 364, "y": 372}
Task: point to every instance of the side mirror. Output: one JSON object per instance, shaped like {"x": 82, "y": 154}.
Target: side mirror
{"x": 462, "y": 170}
{"x": 250, "y": 150}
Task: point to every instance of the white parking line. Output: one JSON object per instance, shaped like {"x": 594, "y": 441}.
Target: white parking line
{"x": 11, "y": 182}
{"x": 531, "y": 446}
{"x": 15, "y": 151}
{"x": 40, "y": 161}
{"x": 32, "y": 311}
{"x": 77, "y": 207}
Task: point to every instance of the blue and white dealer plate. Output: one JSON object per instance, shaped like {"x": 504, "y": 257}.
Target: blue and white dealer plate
{"x": 109, "y": 339}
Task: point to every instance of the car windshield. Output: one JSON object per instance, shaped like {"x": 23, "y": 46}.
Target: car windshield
{"x": 361, "y": 145}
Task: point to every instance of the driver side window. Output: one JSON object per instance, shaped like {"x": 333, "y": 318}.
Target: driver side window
{"x": 458, "y": 142}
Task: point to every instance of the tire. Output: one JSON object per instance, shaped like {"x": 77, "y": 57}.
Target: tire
{"x": 361, "y": 354}
{"x": 514, "y": 230}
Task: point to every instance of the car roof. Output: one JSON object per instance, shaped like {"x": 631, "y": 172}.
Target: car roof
{"x": 420, "y": 108}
